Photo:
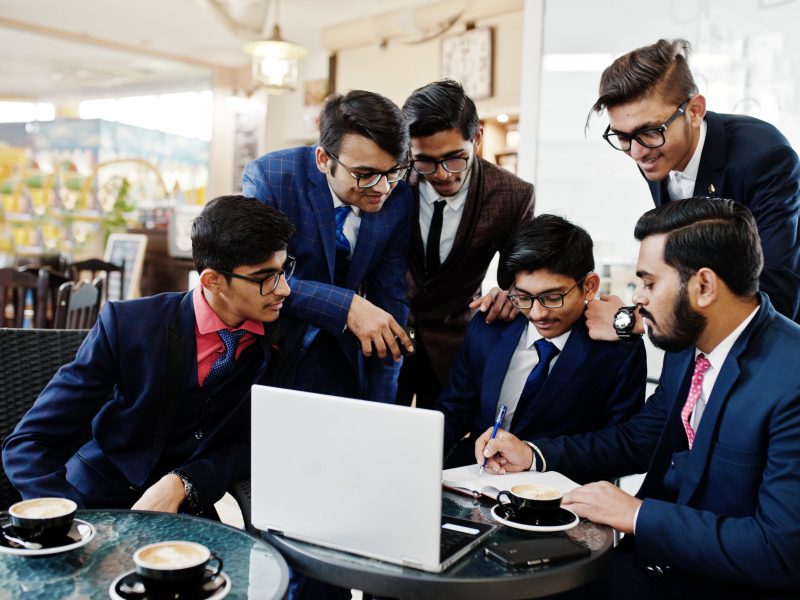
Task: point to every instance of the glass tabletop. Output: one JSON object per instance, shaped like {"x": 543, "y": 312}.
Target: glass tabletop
{"x": 255, "y": 568}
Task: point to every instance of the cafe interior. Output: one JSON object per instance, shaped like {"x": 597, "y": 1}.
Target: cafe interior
{"x": 120, "y": 120}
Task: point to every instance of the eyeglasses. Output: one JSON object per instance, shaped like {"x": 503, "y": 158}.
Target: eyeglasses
{"x": 550, "y": 300}
{"x": 426, "y": 166}
{"x": 368, "y": 180}
{"x": 273, "y": 279}
{"x": 649, "y": 137}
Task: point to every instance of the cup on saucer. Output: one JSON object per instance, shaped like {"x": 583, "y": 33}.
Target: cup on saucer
{"x": 175, "y": 565}
{"x": 529, "y": 498}
{"x": 42, "y": 520}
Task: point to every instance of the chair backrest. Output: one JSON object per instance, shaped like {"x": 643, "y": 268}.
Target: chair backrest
{"x": 78, "y": 304}
{"x": 23, "y": 297}
{"x": 30, "y": 359}
{"x": 99, "y": 267}
{"x": 55, "y": 279}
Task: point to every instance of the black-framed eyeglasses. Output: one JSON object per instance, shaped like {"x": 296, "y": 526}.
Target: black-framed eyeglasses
{"x": 649, "y": 137}
{"x": 549, "y": 300}
{"x": 368, "y": 180}
{"x": 455, "y": 164}
{"x": 271, "y": 281}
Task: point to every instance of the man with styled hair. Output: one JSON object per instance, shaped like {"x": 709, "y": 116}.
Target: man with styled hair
{"x": 352, "y": 211}
{"x": 162, "y": 384}
{"x": 543, "y": 367}
{"x": 465, "y": 210}
{"x": 719, "y": 439}
{"x": 658, "y": 118}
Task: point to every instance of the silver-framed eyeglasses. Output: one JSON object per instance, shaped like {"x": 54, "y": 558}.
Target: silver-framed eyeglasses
{"x": 549, "y": 300}
{"x": 271, "y": 281}
{"x": 368, "y": 180}
{"x": 649, "y": 137}
{"x": 455, "y": 164}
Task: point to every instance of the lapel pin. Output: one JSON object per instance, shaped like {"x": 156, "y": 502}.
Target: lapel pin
{"x": 711, "y": 188}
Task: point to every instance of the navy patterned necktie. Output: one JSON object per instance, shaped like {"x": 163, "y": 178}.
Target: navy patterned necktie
{"x": 547, "y": 352}
{"x": 225, "y": 364}
{"x": 342, "y": 243}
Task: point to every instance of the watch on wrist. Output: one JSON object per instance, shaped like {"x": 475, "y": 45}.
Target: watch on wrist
{"x": 625, "y": 321}
{"x": 190, "y": 491}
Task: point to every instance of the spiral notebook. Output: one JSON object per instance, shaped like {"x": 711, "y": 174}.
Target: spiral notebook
{"x": 467, "y": 480}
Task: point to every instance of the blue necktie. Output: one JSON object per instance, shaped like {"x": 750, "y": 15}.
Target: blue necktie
{"x": 547, "y": 352}
{"x": 225, "y": 364}
{"x": 342, "y": 243}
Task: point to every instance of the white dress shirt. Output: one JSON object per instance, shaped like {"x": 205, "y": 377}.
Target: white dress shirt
{"x": 451, "y": 217}
{"x": 351, "y": 223}
{"x": 523, "y": 361}
{"x": 681, "y": 183}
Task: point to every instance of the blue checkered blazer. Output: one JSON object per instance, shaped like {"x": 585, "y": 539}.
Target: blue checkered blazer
{"x": 289, "y": 180}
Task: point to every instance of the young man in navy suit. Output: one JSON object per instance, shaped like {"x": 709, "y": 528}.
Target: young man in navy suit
{"x": 657, "y": 117}
{"x": 352, "y": 212}
{"x": 542, "y": 366}
{"x": 153, "y": 414}
{"x": 716, "y": 516}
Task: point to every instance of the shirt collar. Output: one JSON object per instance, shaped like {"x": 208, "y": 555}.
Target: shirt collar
{"x": 693, "y": 166}
{"x": 533, "y": 335}
{"x": 208, "y": 321}
{"x": 337, "y": 202}
{"x": 429, "y": 195}
{"x": 718, "y": 355}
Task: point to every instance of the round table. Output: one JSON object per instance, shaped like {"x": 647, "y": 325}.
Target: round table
{"x": 255, "y": 568}
{"x": 474, "y": 576}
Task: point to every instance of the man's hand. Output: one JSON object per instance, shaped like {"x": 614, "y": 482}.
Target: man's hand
{"x": 373, "y": 325}
{"x": 604, "y": 503}
{"x": 600, "y": 318}
{"x": 165, "y": 495}
{"x": 506, "y": 452}
{"x": 496, "y": 303}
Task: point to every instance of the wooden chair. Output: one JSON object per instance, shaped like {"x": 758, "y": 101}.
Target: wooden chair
{"x": 100, "y": 268}
{"x": 30, "y": 359}
{"x": 55, "y": 279}
{"x": 78, "y": 304}
{"x": 23, "y": 297}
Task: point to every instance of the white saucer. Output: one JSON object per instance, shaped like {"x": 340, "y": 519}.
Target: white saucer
{"x": 217, "y": 595}
{"x": 538, "y": 528}
{"x": 81, "y": 534}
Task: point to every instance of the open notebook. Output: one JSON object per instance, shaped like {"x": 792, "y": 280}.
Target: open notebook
{"x": 466, "y": 480}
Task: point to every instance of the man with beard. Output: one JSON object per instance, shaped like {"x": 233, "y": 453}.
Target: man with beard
{"x": 658, "y": 117}
{"x": 716, "y": 515}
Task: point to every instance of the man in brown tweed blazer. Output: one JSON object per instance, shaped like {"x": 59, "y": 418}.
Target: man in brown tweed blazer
{"x": 465, "y": 210}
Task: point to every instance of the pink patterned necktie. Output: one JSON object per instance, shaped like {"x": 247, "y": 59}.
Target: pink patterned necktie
{"x": 701, "y": 366}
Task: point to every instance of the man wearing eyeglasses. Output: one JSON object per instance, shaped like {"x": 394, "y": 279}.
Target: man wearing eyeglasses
{"x": 465, "y": 210}
{"x": 352, "y": 212}
{"x": 153, "y": 413}
{"x": 543, "y": 366}
{"x": 658, "y": 118}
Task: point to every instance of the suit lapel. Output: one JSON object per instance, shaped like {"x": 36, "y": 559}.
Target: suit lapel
{"x": 712, "y": 160}
{"x": 319, "y": 196}
{"x": 497, "y": 362}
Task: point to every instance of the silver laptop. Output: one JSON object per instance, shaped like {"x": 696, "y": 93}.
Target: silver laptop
{"x": 357, "y": 476}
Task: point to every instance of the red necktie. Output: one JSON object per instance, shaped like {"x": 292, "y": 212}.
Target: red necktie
{"x": 701, "y": 366}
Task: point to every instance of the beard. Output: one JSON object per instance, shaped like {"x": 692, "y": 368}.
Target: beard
{"x": 683, "y": 328}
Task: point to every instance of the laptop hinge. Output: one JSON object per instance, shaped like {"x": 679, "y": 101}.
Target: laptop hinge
{"x": 411, "y": 562}
{"x": 275, "y": 531}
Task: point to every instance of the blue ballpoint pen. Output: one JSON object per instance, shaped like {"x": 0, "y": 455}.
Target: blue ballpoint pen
{"x": 499, "y": 421}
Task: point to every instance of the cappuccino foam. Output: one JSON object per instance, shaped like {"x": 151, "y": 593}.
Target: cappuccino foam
{"x": 43, "y": 508}
{"x": 173, "y": 555}
{"x": 537, "y": 492}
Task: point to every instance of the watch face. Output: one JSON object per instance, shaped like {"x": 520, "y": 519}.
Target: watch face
{"x": 622, "y": 320}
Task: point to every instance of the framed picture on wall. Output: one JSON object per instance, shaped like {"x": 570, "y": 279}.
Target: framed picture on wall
{"x": 126, "y": 249}
{"x": 467, "y": 58}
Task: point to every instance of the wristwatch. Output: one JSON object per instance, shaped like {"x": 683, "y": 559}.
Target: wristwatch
{"x": 191, "y": 501}
{"x": 625, "y": 321}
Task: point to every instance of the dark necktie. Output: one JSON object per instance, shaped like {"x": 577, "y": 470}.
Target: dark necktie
{"x": 547, "y": 352}
{"x": 434, "y": 237}
{"x": 342, "y": 243}
{"x": 225, "y": 364}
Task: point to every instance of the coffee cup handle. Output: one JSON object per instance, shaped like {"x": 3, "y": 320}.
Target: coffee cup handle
{"x": 510, "y": 506}
{"x": 218, "y": 570}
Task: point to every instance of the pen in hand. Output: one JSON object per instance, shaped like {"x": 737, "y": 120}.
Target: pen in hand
{"x": 499, "y": 421}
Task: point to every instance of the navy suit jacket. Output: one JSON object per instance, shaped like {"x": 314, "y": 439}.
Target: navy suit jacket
{"x": 750, "y": 161}
{"x": 290, "y": 181}
{"x": 728, "y": 508}
{"x": 592, "y": 385}
{"x": 122, "y": 393}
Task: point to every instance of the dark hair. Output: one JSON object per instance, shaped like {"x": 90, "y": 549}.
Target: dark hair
{"x": 661, "y": 69}
{"x": 236, "y": 230}
{"x": 547, "y": 242}
{"x": 715, "y": 233}
{"x": 439, "y": 106}
{"x": 366, "y": 114}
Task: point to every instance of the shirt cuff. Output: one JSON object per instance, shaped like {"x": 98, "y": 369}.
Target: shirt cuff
{"x": 537, "y": 454}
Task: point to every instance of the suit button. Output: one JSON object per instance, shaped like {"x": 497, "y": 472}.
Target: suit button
{"x": 198, "y": 434}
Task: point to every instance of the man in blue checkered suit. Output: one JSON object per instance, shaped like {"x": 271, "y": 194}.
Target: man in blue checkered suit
{"x": 352, "y": 212}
